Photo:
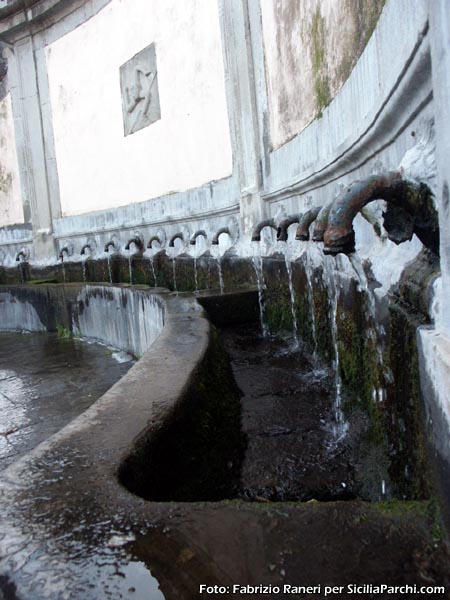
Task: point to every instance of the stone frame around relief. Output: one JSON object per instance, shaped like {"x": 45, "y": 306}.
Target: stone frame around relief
{"x": 140, "y": 94}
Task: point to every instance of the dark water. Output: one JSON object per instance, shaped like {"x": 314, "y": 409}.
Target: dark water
{"x": 46, "y": 381}
{"x": 287, "y": 418}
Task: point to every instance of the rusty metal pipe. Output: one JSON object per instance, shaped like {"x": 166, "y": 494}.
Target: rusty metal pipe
{"x": 282, "y": 229}
{"x": 321, "y": 222}
{"x": 218, "y": 233}
{"x": 309, "y": 217}
{"x": 196, "y": 235}
{"x": 61, "y": 254}
{"x": 154, "y": 238}
{"x": 137, "y": 242}
{"x": 410, "y": 210}
{"x": 21, "y": 254}
{"x": 256, "y": 235}
{"x": 178, "y": 236}
{"x": 110, "y": 244}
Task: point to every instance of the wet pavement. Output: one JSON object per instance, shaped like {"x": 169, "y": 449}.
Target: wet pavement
{"x": 45, "y": 382}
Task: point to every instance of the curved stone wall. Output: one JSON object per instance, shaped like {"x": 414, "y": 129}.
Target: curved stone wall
{"x": 127, "y": 319}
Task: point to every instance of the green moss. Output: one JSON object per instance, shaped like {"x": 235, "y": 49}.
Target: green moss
{"x": 405, "y": 423}
{"x": 41, "y": 281}
{"x": 198, "y": 454}
{"x": 321, "y": 81}
{"x": 63, "y": 332}
{"x": 426, "y": 508}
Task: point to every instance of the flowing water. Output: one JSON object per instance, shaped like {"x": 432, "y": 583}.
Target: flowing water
{"x": 219, "y": 268}
{"x": 312, "y": 313}
{"x": 195, "y": 274}
{"x": 258, "y": 266}
{"x": 339, "y": 426}
{"x": 109, "y": 269}
{"x": 152, "y": 265}
{"x": 130, "y": 270}
{"x": 46, "y": 381}
{"x": 174, "y": 273}
{"x": 83, "y": 264}
{"x": 288, "y": 263}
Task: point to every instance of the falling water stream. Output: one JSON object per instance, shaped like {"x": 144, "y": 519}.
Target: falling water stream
{"x": 195, "y": 274}
{"x": 152, "y": 265}
{"x": 83, "y": 263}
{"x": 174, "y": 273}
{"x": 109, "y": 269}
{"x": 218, "y": 259}
{"x": 63, "y": 270}
{"x": 339, "y": 426}
{"x": 258, "y": 266}
{"x": 309, "y": 276}
{"x": 130, "y": 270}
{"x": 288, "y": 263}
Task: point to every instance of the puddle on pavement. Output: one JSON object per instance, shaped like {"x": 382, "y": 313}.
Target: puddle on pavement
{"x": 45, "y": 382}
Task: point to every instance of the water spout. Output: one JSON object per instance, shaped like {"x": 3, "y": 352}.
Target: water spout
{"x": 111, "y": 244}
{"x": 282, "y": 229}
{"x": 21, "y": 256}
{"x": 215, "y": 240}
{"x": 305, "y": 222}
{"x": 178, "y": 236}
{"x": 64, "y": 250}
{"x": 321, "y": 222}
{"x": 86, "y": 247}
{"x": 137, "y": 242}
{"x": 154, "y": 238}
{"x": 256, "y": 235}
{"x": 194, "y": 237}
{"x": 410, "y": 210}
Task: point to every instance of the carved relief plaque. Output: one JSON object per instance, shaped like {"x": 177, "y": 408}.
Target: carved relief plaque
{"x": 140, "y": 96}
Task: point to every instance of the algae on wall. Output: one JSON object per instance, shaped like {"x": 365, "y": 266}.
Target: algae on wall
{"x": 310, "y": 50}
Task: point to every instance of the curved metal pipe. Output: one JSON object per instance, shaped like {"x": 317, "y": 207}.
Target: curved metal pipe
{"x": 410, "y": 210}
{"x": 282, "y": 229}
{"x": 84, "y": 248}
{"x": 321, "y": 222}
{"x": 110, "y": 244}
{"x": 305, "y": 222}
{"x": 19, "y": 254}
{"x": 137, "y": 242}
{"x": 196, "y": 235}
{"x": 178, "y": 236}
{"x": 218, "y": 233}
{"x": 256, "y": 235}
{"x": 61, "y": 254}
{"x": 154, "y": 238}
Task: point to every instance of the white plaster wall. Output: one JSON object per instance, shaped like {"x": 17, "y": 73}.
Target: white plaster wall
{"x": 310, "y": 48}
{"x": 11, "y": 208}
{"x": 100, "y": 168}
